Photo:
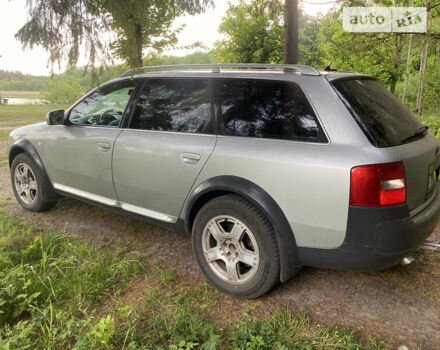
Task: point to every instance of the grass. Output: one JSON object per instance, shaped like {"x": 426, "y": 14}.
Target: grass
{"x": 59, "y": 292}
{"x": 49, "y": 285}
{"x": 18, "y": 115}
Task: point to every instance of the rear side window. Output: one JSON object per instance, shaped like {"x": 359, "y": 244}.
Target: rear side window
{"x": 382, "y": 117}
{"x": 267, "y": 109}
{"x": 179, "y": 105}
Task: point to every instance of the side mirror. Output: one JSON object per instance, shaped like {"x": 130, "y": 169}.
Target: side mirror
{"x": 55, "y": 117}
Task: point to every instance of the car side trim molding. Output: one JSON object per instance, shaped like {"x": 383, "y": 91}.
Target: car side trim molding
{"x": 147, "y": 212}
{"x": 88, "y": 195}
{"x": 114, "y": 203}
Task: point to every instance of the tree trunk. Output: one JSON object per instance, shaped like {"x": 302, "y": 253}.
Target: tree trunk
{"x": 397, "y": 58}
{"x": 291, "y": 32}
{"x": 423, "y": 63}
{"x": 408, "y": 62}
{"x": 139, "y": 45}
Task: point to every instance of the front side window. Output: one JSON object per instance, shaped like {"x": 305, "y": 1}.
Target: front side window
{"x": 267, "y": 109}
{"x": 178, "y": 105}
{"x": 104, "y": 107}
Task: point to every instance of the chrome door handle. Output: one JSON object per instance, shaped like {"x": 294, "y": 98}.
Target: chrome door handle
{"x": 190, "y": 158}
{"x": 104, "y": 146}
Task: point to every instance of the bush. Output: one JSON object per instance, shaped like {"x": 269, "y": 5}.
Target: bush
{"x": 63, "y": 91}
{"x": 432, "y": 122}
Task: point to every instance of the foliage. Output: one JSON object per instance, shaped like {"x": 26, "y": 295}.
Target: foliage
{"x": 432, "y": 87}
{"x": 432, "y": 122}
{"x": 64, "y": 27}
{"x": 368, "y": 53}
{"x": 17, "y": 81}
{"x": 254, "y": 33}
{"x": 63, "y": 92}
{"x": 198, "y": 57}
{"x": 140, "y": 24}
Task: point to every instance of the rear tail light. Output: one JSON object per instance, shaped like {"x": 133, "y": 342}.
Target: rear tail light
{"x": 378, "y": 185}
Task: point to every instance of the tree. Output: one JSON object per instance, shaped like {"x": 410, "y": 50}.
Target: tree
{"x": 143, "y": 24}
{"x": 62, "y": 27}
{"x": 291, "y": 51}
{"x": 254, "y": 33}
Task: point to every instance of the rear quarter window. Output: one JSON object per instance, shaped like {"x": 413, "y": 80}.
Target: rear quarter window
{"x": 267, "y": 109}
{"x": 382, "y": 117}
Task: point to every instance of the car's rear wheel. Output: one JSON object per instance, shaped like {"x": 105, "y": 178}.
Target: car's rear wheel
{"x": 235, "y": 246}
{"x": 27, "y": 185}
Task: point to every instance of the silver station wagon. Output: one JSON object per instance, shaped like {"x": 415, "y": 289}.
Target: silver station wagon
{"x": 267, "y": 167}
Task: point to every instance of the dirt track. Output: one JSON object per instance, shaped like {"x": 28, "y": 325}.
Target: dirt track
{"x": 401, "y": 304}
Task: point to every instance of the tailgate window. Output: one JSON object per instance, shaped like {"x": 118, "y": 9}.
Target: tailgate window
{"x": 382, "y": 117}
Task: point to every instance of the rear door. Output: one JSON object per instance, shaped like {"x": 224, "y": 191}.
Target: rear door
{"x": 159, "y": 155}
{"x": 390, "y": 126}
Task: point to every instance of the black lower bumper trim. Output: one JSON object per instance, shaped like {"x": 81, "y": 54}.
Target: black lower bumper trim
{"x": 376, "y": 238}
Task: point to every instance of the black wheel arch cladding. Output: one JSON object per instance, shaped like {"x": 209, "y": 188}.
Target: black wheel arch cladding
{"x": 25, "y": 146}
{"x": 289, "y": 261}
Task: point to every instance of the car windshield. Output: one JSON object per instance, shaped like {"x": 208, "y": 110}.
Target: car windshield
{"x": 383, "y": 118}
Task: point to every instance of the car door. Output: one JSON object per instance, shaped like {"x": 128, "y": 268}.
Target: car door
{"x": 79, "y": 155}
{"x": 169, "y": 138}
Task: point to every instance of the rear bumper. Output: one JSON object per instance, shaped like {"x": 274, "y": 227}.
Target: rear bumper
{"x": 376, "y": 238}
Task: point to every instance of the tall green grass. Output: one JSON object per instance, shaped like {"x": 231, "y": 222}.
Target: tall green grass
{"x": 58, "y": 292}
{"x": 49, "y": 283}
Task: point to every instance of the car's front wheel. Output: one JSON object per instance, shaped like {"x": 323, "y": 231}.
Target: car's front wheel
{"x": 27, "y": 184}
{"x": 235, "y": 246}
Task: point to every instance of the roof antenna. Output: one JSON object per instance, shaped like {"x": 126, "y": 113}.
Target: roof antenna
{"x": 329, "y": 68}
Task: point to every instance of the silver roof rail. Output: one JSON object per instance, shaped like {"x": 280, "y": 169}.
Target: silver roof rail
{"x": 215, "y": 68}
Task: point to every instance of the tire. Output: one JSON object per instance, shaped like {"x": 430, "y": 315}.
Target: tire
{"x": 27, "y": 184}
{"x": 236, "y": 247}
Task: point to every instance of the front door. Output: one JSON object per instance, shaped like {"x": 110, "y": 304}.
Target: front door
{"x": 79, "y": 155}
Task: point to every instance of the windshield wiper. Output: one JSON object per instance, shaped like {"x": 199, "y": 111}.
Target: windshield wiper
{"x": 421, "y": 132}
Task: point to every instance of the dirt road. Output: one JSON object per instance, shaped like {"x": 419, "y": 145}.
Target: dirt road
{"x": 401, "y": 304}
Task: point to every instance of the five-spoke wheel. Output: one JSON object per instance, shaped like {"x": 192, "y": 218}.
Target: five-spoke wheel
{"x": 25, "y": 183}
{"x": 29, "y": 185}
{"x": 230, "y": 249}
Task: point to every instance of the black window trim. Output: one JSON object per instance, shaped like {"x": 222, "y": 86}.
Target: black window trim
{"x": 126, "y": 123}
{"x": 219, "y": 116}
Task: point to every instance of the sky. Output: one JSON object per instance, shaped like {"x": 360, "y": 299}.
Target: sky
{"x": 203, "y": 28}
